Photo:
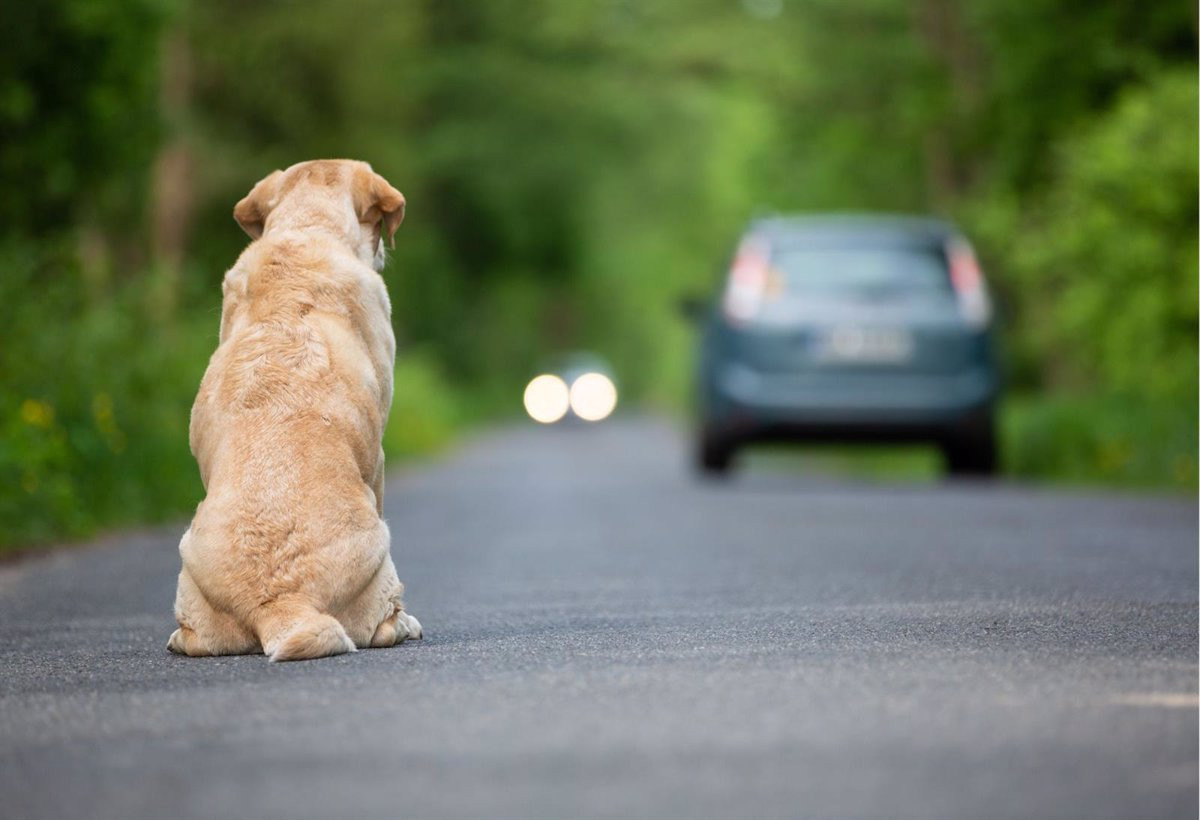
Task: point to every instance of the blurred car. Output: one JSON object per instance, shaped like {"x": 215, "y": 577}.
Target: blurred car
{"x": 578, "y": 386}
{"x": 850, "y": 328}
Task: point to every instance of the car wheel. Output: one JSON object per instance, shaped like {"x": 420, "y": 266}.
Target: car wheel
{"x": 714, "y": 454}
{"x": 971, "y": 450}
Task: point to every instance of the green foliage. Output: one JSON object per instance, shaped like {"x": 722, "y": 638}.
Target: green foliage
{"x": 1101, "y": 283}
{"x": 94, "y": 410}
{"x": 1101, "y": 441}
{"x": 571, "y": 170}
{"x": 1107, "y": 260}
{"x": 1052, "y": 65}
{"x": 96, "y": 401}
{"x": 78, "y": 109}
{"x": 425, "y": 413}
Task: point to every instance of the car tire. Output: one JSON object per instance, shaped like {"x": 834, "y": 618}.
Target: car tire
{"x": 971, "y": 450}
{"x": 714, "y": 454}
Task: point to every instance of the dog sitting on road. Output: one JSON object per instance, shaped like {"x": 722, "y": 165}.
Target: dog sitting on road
{"x": 288, "y": 553}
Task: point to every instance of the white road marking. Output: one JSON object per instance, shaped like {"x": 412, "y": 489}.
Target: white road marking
{"x": 1169, "y": 700}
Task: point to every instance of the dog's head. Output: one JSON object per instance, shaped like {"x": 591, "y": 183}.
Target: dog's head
{"x": 340, "y": 194}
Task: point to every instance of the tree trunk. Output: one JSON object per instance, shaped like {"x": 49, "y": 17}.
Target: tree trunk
{"x": 940, "y": 26}
{"x": 172, "y": 195}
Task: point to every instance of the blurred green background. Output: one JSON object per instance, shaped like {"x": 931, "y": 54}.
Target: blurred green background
{"x": 571, "y": 169}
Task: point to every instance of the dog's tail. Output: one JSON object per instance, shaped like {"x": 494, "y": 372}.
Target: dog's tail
{"x": 298, "y": 632}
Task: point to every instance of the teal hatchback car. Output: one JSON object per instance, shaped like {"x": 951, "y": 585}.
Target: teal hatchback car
{"x": 850, "y": 328}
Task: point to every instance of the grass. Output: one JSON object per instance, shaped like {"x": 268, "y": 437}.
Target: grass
{"x": 1077, "y": 440}
{"x": 1101, "y": 440}
{"x": 916, "y": 463}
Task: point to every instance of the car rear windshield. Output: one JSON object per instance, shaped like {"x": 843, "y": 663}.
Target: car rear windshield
{"x": 866, "y": 273}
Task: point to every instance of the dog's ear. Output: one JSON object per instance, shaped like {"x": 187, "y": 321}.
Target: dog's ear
{"x": 376, "y": 200}
{"x": 251, "y": 213}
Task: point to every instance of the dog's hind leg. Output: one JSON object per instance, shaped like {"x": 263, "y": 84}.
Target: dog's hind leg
{"x": 202, "y": 629}
{"x": 376, "y": 618}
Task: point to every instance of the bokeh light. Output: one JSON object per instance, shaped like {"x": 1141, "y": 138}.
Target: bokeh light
{"x": 593, "y": 396}
{"x": 547, "y": 398}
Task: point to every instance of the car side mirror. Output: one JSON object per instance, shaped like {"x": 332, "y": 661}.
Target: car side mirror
{"x": 693, "y": 308}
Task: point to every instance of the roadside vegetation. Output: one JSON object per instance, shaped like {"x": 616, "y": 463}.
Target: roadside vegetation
{"x": 572, "y": 169}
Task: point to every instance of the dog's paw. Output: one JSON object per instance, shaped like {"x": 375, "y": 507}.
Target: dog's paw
{"x": 183, "y": 641}
{"x": 413, "y": 625}
{"x": 397, "y": 629}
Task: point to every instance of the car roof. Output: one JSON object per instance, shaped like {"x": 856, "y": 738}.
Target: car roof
{"x": 888, "y": 230}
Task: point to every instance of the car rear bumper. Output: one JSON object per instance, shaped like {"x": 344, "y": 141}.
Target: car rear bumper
{"x": 885, "y": 405}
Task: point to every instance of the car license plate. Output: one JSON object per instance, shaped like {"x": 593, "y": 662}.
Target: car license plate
{"x": 865, "y": 345}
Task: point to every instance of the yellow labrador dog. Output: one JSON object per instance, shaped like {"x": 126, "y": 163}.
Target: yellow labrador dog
{"x": 287, "y": 553}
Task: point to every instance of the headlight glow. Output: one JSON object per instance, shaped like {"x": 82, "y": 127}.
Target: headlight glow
{"x": 593, "y": 396}
{"x": 546, "y": 398}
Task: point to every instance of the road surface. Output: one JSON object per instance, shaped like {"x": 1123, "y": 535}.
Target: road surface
{"x": 607, "y": 637}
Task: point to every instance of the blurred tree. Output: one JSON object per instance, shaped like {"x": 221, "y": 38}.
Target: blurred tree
{"x": 571, "y": 169}
{"x": 1109, "y": 259}
{"x": 78, "y": 112}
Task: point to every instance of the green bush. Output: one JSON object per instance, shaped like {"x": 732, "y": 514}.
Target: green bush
{"x": 1099, "y": 276}
{"x": 1106, "y": 262}
{"x": 425, "y": 409}
{"x": 1101, "y": 441}
{"x": 94, "y": 410}
{"x": 97, "y": 396}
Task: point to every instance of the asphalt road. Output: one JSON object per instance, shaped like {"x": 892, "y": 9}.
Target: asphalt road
{"x": 607, "y": 637}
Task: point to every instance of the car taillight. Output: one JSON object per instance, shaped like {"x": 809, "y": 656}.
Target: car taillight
{"x": 748, "y": 280}
{"x": 967, "y": 279}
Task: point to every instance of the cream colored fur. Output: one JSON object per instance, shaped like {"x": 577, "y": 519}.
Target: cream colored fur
{"x": 288, "y": 553}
